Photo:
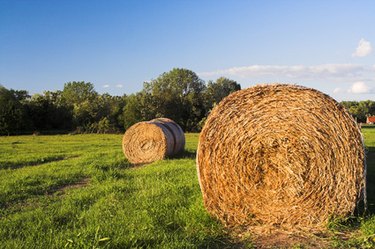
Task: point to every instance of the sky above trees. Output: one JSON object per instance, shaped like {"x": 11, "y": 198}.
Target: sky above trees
{"x": 118, "y": 45}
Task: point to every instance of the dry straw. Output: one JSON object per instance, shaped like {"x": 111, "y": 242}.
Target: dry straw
{"x": 280, "y": 156}
{"x": 153, "y": 140}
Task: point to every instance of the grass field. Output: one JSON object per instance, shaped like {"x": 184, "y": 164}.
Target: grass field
{"x": 78, "y": 191}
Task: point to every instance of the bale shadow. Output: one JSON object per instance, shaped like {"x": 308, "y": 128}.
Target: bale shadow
{"x": 188, "y": 154}
{"x": 184, "y": 154}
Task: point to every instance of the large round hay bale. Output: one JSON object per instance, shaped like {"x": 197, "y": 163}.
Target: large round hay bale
{"x": 145, "y": 142}
{"x": 281, "y": 156}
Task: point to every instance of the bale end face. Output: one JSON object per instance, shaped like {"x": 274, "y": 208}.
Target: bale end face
{"x": 280, "y": 155}
{"x": 144, "y": 143}
{"x": 153, "y": 140}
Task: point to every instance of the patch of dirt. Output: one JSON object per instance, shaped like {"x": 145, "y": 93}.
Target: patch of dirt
{"x": 266, "y": 237}
{"x": 33, "y": 201}
{"x": 284, "y": 240}
{"x": 62, "y": 189}
{"x": 82, "y": 183}
{"x": 277, "y": 239}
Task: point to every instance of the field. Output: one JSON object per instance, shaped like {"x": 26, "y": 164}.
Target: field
{"x": 78, "y": 191}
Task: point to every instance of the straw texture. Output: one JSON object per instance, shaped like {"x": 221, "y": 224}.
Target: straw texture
{"x": 281, "y": 156}
{"x": 153, "y": 140}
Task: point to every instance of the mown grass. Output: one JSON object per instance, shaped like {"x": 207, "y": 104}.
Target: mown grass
{"x": 78, "y": 191}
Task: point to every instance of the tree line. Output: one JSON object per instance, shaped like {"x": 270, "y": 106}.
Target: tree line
{"x": 360, "y": 110}
{"x": 178, "y": 94}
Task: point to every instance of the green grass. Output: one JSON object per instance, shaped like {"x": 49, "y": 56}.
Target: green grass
{"x": 78, "y": 191}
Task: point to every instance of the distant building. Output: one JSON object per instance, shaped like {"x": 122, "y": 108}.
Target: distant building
{"x": 370, "y": 120}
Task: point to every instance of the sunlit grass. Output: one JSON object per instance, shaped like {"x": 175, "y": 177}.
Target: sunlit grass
{"x": 156, "y": 205}
{"x": 79, "y": 191}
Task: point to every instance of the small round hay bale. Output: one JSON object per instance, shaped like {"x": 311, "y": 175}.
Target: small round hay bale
{"x": 281, "y": 156}
{"x": 146, "y": 142}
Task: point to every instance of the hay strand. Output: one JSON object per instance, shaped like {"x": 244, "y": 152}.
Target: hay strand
{"x": 281, "y": 156}
{"x": 146, "y": 142}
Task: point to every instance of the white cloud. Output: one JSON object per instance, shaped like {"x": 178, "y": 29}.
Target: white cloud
{"x": 364, "y": 48}
{"x": 119, "y": 85}
{"x": 293, "y": 72}
{"x": 359, "y": 87}
{"x": 105, "y": 86}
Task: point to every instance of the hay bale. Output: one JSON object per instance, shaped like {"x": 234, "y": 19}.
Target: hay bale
{"x": 281, "y": 156}
{"x": 153, "y": 140}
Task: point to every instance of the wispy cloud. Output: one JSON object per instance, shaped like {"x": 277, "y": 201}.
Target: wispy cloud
{"x": 363, "y": 49}
{"x": 291, "y": 72}
{"x": 105, "y": 86}
{"x": 119, "y": 85}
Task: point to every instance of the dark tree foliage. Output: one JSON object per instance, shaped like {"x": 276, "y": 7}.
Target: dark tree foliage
{"x": 137, "y": 108}
{"x": 48, "y": 112}
{"x": 20, "y": 95}
{"x": 113, "y": 114}
{"x": 11, "y": 112}
{"x": 219, "y": 89}
{"x": 360, "y": 109}
{"x": 178, "y": 94}
{"x": 93, "y": 112}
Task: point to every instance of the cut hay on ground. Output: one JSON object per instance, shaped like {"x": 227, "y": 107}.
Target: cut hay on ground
{"x": 153, "y": 140}
{"x": 280, "y": 156}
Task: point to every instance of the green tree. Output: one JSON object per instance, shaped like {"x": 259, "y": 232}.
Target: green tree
{"x": 139, "y": 107}
{"x": 20, "y": 95}
{"x": 216, "y": 91}
{"x": 83, "y": 101}
{"x": 77, "y": 92}
{"x": 360, "y": 110}
{"x": 178, "y": 94}
{"x": 112, "y": 109}
{"x": 48, "y": 111}
{"x": 104, "y": 126}
{"x": 11, "y": 112}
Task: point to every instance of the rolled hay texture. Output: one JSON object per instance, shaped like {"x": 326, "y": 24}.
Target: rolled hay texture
{"x": 149, "y": 141}
{"x": 281, "y": 156}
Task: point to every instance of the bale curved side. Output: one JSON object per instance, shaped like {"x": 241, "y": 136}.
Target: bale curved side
{"x": 177, "y": 132}
{"x": 282, "y": 156}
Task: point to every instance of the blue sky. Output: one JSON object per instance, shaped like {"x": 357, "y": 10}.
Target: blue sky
{"x": 117, "y": 45}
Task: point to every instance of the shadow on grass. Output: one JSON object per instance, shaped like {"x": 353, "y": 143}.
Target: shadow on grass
{"x": 118, "y": 165}
{"x": 36, "y": 162}
{"x": 188, "y": 154}
{"x": 208, "y": 242}
{"x": 184, "y": 154}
